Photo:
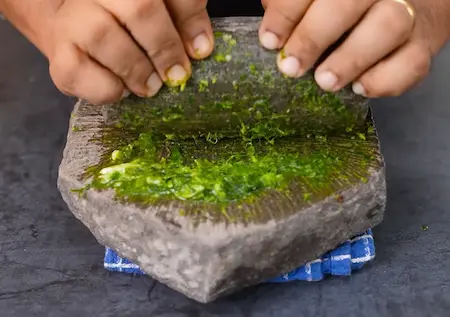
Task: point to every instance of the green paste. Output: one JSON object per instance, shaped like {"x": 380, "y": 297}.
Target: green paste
{"x": 147, "y": 167}
{"x": 145, "y": 161}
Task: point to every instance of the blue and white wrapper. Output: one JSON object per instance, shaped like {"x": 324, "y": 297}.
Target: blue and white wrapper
{"x": 342, "y": 261}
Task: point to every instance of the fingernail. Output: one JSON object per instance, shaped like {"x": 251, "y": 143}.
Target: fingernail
{"x": 201, "y": 45}
{"x": 290, "y": 66}
{"x": 358, "y": 89}
{"x": 176, "y": 75}
{"x": 269, "y": 40}
{"x": 125, "y": 93}
{"x": 154, "y": 84}
{"x": 326, "y": 79}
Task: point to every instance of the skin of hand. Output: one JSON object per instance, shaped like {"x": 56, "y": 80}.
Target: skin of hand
{"x": 100, "y": 50}
{"x": 385, "y": 52}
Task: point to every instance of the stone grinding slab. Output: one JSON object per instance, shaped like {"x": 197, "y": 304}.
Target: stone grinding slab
{"x": 208, "y": 255}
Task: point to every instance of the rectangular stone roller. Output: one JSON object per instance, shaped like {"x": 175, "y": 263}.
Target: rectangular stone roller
{"x": 241, "y": 85}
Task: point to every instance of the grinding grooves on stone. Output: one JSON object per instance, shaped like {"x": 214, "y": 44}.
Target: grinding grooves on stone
{"x": 209, "y": 254}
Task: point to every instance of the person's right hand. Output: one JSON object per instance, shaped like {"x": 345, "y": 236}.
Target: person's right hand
{"x": 103, "y": 49}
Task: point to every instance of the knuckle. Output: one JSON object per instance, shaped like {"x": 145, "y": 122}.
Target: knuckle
{"x": 125, "y": 69}
{"x": 166, "y": 52}
{"x": 98, "y": 33}
{"x": 136, "y": 75}
{"x": 287, "y": 15}
{"x": 305, "y": 44}
{"x": 111, "y": 91}
{"x": 354, "y": 65}
{"x": 143, "y": 8}
{"x": 393, "y": 19}
{"x": 190, "y": 18}
{"x": 131, "y": 63}
{"x": 141, "y": 70}
{"x": 66, "y": 72}
{"x": 422, "y": 62}
{"x": 107, "y": 95}
{"x": 349, "y": 6}
{"x": 63, "y": 72}
{"x": 377, "y": 89}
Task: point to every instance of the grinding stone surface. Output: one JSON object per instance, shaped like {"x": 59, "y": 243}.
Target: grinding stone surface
{"x": 212, "y": 258}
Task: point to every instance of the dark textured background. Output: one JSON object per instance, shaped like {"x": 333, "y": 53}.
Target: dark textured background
{"x": 52, "y": 266}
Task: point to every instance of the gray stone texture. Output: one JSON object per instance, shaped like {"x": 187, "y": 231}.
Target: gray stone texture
{"x": 208, "y": 258}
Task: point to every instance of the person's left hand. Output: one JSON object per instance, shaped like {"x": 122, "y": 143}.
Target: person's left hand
{"x": 388, "y": 49}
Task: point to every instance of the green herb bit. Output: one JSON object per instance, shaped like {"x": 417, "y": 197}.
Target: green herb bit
{"x": 172, "y": 117}
{"x": 252, "y": 68}
{"x": 203, "y": 85}
{"x": 220, "y": 57}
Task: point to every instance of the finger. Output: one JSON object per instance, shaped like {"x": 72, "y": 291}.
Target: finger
{"x": 396, "y": 74}
{"x": 385, "y": 27}
{"x": 318, "y": 30}
{"x": 150, "y": 25}
{"x": 110, "y": 45}
{"x": 76, "y": 74}
{"x": 194, "y": 26}
{"x": 280, "y": 19}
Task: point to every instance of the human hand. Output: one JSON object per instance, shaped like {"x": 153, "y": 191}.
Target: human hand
{"x": 388, "y": 49}
{"x": 101, "y": 49}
